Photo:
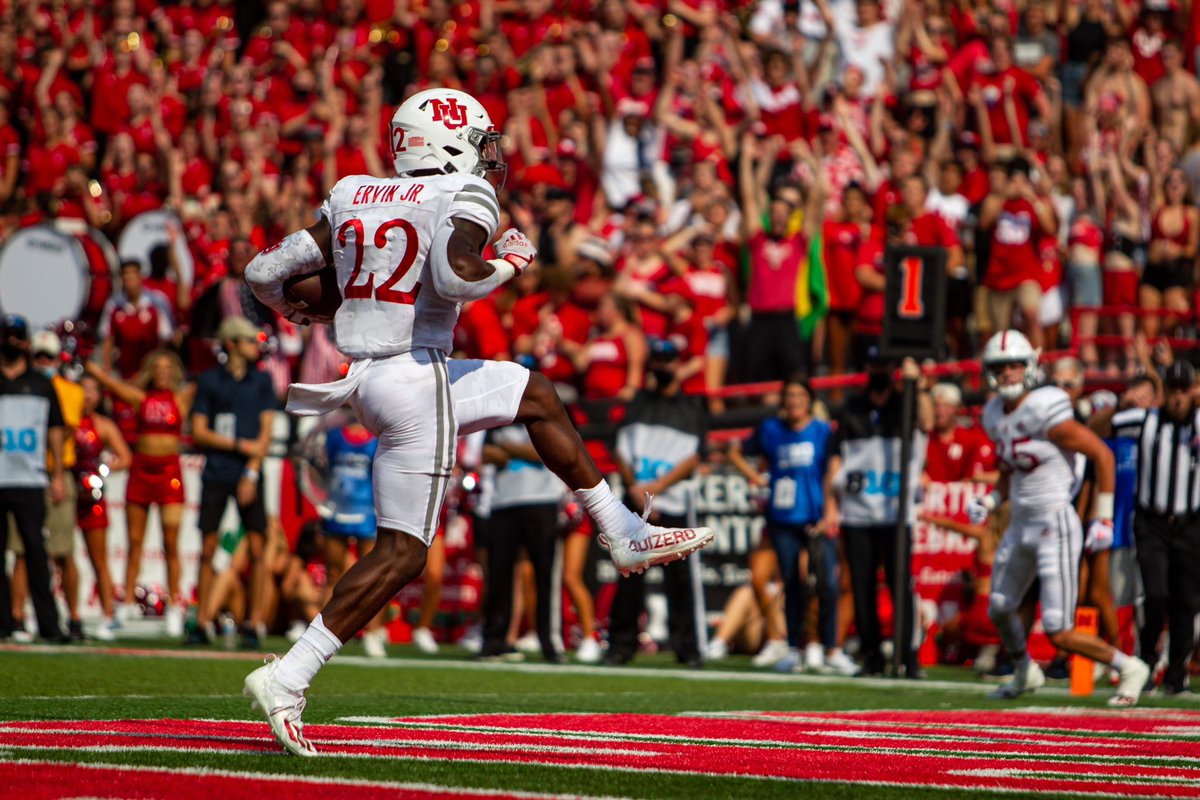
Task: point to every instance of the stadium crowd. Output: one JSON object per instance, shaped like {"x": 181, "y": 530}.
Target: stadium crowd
{"x": 720, "y": 176}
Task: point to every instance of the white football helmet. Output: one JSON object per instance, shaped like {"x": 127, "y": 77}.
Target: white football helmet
{"x": 448, "y": 131}
{"x": 1010, "y": 347}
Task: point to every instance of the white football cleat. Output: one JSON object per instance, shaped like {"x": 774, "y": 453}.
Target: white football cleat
{"x": 1134, "y": 674}
{"x": 282, "y": 708}
{"x": 1025, "y": 678}
{"x": 423, "y": 639}
{"x": 652, "y": 545}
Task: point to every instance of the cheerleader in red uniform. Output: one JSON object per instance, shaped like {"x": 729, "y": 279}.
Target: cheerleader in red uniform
{"x": 162, "y": 400}
{"x": 95, "y": 434}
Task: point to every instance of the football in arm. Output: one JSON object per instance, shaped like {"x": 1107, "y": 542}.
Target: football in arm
{"x": 316, "y": 293}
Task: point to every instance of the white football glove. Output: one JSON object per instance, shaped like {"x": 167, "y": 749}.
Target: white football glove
{"x": 1099, "y": 536}
{"x": 515, "y": 248}
{"x": 979, "y": 507}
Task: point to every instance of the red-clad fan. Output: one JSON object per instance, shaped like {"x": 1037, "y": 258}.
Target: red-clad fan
{"x": 843, "y": 238}
{"x": 712, "y": 293}
{"x": 956, "y": 452}
{"x": 641, "y": 273}
{"x": 1005, "y": 90}
{"x": 548, "y": 325}
{"x": 481, "y": 333}
{"x": 1016, "y": 218}
{"x": 613, "y": 360}
{"x": 871, "y": 274}
{"x": 135, "y": 322}
{"x": 925, "y": 228}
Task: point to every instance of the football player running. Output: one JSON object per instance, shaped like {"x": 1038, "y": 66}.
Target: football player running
{"x": 407, "y": 252}
{"x": 1036, "y": 437}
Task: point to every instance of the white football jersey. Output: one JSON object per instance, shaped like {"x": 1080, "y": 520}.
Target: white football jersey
{"x": 1041, "y": 472}
{"x": 382, "y": 232}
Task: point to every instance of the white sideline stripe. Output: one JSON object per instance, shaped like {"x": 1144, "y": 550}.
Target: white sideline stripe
{"x": 1026, "y": 791}
{"x": 1032, "y": 774}
{"x": 286, "y": 778}
{"x": 701, "y": 676}
{"x": 801, "y": 717}
{"x": 57, "y": 697}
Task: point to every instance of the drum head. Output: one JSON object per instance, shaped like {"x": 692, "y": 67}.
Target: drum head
{"x": 44, "y": 276}
{"x": 148, "y": 231}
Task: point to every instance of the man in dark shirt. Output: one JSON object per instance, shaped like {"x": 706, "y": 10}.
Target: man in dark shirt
{"x": 863, "y": 494}
{"x": 31, "y": 421}
{"x": 231, "y": 425}
{"x": 659, "y": 446}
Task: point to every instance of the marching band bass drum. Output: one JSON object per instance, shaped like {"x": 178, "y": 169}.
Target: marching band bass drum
{"x": 44, "y": 276}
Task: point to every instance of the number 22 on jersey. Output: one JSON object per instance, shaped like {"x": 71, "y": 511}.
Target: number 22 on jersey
{"x": 358, "y": 287}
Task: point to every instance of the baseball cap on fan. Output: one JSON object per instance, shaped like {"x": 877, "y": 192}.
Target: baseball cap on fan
{"x": 45, "y": 343}
{"x": 232, "y": 328}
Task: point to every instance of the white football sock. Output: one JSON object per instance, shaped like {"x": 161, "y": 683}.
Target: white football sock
{"x": 609, "y": 513}
{"x": 310, "y": 652}
{"x": 1118, "y": 660}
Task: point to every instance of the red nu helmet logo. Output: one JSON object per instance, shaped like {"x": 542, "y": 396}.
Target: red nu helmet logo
{"x": 449, "y": 113}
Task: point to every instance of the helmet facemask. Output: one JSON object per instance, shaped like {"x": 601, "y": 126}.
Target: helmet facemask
{"x": 994, "y": 372}
{"x": 491, "y": 158}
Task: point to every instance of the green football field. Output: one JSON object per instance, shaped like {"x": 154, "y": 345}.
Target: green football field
{"x": 168, "y": 722}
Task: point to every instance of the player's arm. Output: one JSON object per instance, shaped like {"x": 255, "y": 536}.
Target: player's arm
{"x": 979, "y": 508}
{"x": 1072, "y": 436}
{"x": 300, "y": 253}
{"x": 1077, "y": 438}
{"x": 460, "y": 272}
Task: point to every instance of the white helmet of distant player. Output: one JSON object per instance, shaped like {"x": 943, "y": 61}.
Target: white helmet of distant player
{"x": 1003, "y": 349}
{"x": 447, "y": 131}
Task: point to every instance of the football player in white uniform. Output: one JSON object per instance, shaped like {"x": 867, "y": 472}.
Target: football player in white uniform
{"x": 407, "y": 252}
{"x": 1036, "y": 437}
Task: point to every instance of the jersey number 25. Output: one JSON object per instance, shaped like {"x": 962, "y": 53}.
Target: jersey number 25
{"x": 1014, "y": 457}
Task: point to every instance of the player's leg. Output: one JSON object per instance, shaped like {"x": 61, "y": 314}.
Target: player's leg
{"x": 411, "y": 471}
{"x": 1058, "y": 556}
{"x": 1014, "y": 569}
{"x": 488, "y": 394}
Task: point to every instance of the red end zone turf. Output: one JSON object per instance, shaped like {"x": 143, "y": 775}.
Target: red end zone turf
{"x": 1144, "y": 753}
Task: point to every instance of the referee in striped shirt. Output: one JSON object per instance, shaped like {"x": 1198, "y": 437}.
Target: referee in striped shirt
{"x": 1166, "y": 521}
